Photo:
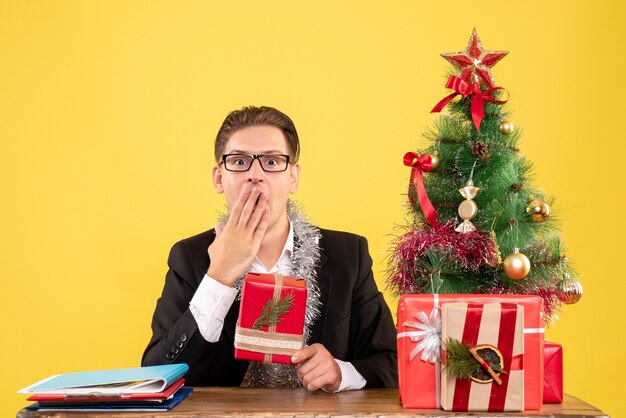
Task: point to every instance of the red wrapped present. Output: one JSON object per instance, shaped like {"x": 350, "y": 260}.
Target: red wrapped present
{"x": 271, "y": 318}
{"x": 552, "y": 373}
{"x": 419, "y": 323}
{"x": 492, "y": 336}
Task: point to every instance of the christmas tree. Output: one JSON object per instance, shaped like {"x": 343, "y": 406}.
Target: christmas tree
{"x": 478, "y": 223}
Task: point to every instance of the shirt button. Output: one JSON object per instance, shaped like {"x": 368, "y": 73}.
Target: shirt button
{"x": 175, "y": 350}
{"x": 170, "y": 356}
{"x": 180, "y": 344}
{"x": 183, "y": 337}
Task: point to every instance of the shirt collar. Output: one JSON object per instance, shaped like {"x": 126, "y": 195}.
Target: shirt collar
{"x": 284, "y": 260}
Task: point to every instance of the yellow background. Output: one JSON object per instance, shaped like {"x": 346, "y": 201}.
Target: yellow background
{"x": 108, "y": 111}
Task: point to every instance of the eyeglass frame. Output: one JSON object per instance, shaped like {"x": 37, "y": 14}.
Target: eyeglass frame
{"x": 256, "y": 157}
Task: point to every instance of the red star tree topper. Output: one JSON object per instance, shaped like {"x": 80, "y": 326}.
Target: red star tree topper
{"x": 475, "y": 62}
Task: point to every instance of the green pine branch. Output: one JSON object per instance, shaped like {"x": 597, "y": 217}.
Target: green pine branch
{"x": 273, "y": 311}
{"x": 459, "y": 362}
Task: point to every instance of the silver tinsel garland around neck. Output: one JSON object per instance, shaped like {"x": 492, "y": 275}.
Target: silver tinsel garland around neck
{"x": 304, "y": 259}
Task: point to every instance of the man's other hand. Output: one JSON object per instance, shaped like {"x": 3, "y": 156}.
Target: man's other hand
{"x": 238, "y": 242}
{"x": 317, "y": 368}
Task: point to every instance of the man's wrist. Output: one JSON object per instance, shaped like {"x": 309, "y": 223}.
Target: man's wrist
{"x": 220, "y": 277}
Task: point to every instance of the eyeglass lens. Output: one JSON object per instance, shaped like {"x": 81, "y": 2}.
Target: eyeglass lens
{"x": 243, "y": 162}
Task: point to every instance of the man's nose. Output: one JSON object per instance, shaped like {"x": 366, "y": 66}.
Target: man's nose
{"x": 256, "y": 173}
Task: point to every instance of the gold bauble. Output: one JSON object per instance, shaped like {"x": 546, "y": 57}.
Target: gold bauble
{"x": 434, "y": 161}
{"x": 516, "y": 266}
{"x": 570, "y": 291}
{"x": 538, "y": 209}
{"x": 468, "y": 209}
{"x": 506, "y": 127}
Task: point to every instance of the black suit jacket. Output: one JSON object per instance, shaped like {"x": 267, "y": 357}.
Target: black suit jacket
{"x": 355, "y": 323}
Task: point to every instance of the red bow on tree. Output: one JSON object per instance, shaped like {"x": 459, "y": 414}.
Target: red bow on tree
{"x": 421, "y": 163}
{"x": 479, "y": 98}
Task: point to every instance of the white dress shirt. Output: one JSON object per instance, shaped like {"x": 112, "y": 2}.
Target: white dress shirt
{"x": 212, "y": 300}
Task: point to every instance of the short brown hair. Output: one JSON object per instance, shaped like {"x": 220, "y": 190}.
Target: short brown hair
{"x": 257, "y": 116}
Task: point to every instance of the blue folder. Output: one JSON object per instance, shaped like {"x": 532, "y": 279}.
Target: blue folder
{"x": 150, "y": 379}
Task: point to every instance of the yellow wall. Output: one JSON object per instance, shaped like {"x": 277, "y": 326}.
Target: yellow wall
{"x": 108, "y": 110}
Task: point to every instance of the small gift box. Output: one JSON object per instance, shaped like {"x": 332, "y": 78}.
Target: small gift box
{"x": 484, "y": 368}
{"x": 271, "y": 318}
{"x": 553, "y": 373}
{"x": 419, "y": 340}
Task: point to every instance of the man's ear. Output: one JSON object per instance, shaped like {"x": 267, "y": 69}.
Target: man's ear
{"x": 217, "y": 179}
{"x": 294, "y": 175}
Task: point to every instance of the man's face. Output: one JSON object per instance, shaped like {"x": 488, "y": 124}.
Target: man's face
{"x": 276, "y": 186}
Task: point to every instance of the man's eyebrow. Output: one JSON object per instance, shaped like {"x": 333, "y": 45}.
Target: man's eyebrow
{"x": 274, "y": 151}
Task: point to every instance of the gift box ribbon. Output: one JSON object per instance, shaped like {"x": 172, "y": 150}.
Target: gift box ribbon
{"x": 428, "y": 338}
{"x": 268, "y": 342}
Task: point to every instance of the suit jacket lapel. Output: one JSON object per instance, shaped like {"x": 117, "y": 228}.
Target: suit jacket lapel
{"x": 324, "y": 282}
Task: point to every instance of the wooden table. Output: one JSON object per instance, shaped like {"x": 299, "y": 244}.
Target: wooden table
{"x": 246, "y": 402}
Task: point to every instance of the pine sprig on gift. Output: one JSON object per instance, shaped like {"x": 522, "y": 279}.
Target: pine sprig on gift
{"x": 459, "y": 362}
{"x": 273, "y": 311}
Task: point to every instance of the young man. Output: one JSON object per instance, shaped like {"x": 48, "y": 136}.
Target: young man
{"x": 349, "y": 333}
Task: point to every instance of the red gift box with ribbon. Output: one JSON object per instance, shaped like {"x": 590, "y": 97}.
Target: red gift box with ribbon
{"x": 271, "y": 318}
{"x": 552, "y": 373}
{"x": 419, "y": 344}
{"x": 492, "y": 328}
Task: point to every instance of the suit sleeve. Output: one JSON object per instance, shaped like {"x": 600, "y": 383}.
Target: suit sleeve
{"x": 175, "y": 334}
{"x": 372, "y": 331}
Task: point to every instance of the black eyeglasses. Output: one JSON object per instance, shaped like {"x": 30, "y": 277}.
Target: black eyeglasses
{"x": 243, "y": 162}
